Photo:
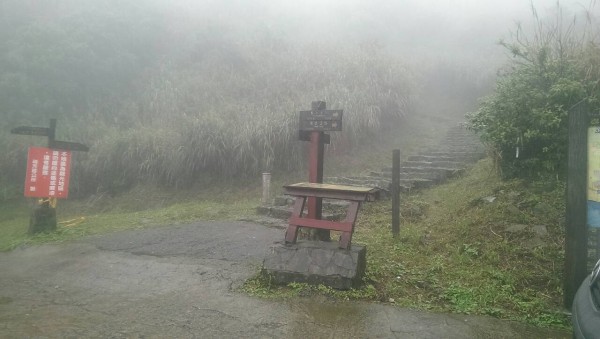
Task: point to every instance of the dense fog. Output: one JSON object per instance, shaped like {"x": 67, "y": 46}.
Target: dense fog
{"x": 181, "y": 89}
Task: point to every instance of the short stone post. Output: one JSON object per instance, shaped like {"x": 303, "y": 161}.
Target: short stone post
{"x": 266, "y": 188}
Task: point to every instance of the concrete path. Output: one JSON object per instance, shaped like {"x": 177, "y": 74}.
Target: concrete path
{"x": 180, "y": 282}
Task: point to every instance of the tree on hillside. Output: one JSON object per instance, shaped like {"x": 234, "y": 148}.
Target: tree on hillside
{"x": 524, "y": 122}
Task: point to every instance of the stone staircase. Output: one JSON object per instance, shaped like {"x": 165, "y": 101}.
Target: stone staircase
{"x": 459, "y": 149}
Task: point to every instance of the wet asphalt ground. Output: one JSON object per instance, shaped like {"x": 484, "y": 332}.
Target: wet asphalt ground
{"x": 181, "y": 282}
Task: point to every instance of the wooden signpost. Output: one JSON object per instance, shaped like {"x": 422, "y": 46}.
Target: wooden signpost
{"x": 50, "y": 132}
{"x": 310, "y": 261}
{"x": 312, "y": 125}
{"x": 48, "y": 173}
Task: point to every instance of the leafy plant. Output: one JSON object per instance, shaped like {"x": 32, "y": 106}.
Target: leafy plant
{"x": 524, "y": 121}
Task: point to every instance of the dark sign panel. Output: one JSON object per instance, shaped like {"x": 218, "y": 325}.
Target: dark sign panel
{"x": 321, "y": 120}
{"x": 322, "y": 115}
{"x": 26, "y": 130}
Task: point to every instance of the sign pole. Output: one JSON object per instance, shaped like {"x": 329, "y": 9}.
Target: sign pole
{"x": 315, "y": 175}
{"x": 43, "y": 217}
{"x": 52, "y": 133}
{"x": 576, "y": 209}
{"x": 315, "y": 172}
{"x": 396, "y": 193}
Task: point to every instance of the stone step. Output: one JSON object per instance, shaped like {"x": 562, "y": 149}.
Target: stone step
{"x": 382, "y": 183}
{"x": 421, "y": 169}
{"x": 431, "y": 158}
{"x": 433, "y": 164}
{"x": 462, "y": 144}
{"x": 460, "y": 134}
{"x": 462, "y": 139}
{"x": 437, "y": 177}
{"x": 282, "y": 212}
{"x": 458, "y": 147}
{"x": 461, "y": 155}
{"x": 411, "y": 182}
{"x": 443, "y": 173}
{"x": 267, "y": 221}
{"x": 279, "y": 212}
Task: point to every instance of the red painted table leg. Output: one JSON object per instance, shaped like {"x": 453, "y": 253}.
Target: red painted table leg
{"x": 292, "y": 232}
{"x": 351, "y": 215}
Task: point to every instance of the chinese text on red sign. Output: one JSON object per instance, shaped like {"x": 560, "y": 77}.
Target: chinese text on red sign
{"x": 48, "y": 173}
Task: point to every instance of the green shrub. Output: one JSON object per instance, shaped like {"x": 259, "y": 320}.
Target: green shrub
{"x": 524, "y": 121}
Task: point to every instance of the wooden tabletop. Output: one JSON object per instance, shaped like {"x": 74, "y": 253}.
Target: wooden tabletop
{"x": 333, "y": 191}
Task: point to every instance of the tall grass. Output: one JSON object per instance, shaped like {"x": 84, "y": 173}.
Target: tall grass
{"x": 13, "y": 155}
{"x": 223, "y": 118}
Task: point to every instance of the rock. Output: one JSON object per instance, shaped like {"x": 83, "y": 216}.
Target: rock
{"x": 534, "y": 242}
{"x": 516, "y": 228}
{"x": 540, "y": 231}
{"x": 425, "y": 239}
{"x": 513, "y": 209}
{"x": 513, "y": 194}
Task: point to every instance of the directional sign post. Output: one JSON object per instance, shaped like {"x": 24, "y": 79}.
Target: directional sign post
{"x": 47, "y": 174}
{"x": 50, "y": 132}
{"x": 312, "y": 126}
{"x": 26, "y": 130}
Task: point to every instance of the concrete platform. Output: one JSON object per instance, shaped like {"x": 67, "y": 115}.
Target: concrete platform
{"x": 316, "y": 262}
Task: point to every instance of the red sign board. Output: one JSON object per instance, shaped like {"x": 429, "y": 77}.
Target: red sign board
{"x": 47, "y": 173}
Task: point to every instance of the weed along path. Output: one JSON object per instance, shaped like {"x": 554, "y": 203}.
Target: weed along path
{"x": 181, "y": 282}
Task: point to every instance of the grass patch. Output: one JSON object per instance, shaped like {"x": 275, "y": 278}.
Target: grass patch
{"x": 98, "y": 215}
{"x": 459, "y": 252}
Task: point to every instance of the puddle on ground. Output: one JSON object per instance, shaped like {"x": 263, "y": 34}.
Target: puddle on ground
{"x": 326, "y": 319}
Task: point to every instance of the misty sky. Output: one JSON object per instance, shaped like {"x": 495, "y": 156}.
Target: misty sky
{"x": 445, "y": 26}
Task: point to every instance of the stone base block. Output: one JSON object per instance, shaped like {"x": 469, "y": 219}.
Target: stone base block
{"x": 316, "y": 262}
